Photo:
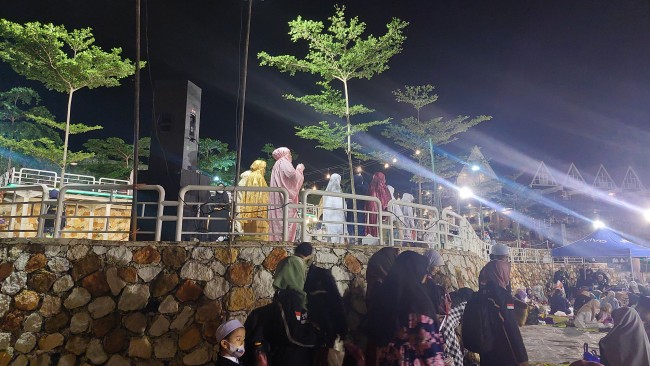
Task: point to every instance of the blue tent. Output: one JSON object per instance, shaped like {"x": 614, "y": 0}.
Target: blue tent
{"x": 602, "y": 243}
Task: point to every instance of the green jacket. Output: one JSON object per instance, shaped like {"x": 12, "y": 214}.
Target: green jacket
{"x": 291, "y": 274}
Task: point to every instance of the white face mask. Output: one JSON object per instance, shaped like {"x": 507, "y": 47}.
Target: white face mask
{"x": 236, "y": 351}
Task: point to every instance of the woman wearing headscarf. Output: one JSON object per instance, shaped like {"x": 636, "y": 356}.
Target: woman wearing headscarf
{"x": 586, "y": 315}
{"x": 378, "y": 190}
{"x": 494, "y": 287}
{"x": 334, "y": 211}
{"x": 379, "y": 265}
{"x": 408, "y": 217}
{"x": 627, "y": 343}
{"x": 396, "y": 211}
{"x": 284, "y": 175}
{"x": 240, "y": 198}
{"x": 403, "y": 324}
{"x": 559, "y": 303}
{"x": 255, "y": 203}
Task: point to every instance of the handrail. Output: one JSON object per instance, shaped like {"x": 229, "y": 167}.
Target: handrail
{"x": 308, "y": 192}
{"x": 182, "y": 203}
{"x": 113, "y": 199}
{"x": 42, "y": 211}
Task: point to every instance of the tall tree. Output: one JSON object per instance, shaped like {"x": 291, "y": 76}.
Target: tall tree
{"x": 64, "y": 61}
{"x": 337, "y": 52}
{"x": 420, "y": 136}
{"x": 16, "y": 105}
{"x": 216, "y": 160}
{"x": 113, "y": 157}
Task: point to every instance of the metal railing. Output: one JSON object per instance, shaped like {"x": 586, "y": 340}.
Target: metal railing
{"x": 413, "y": 223}
{"x": 330, "y": 229}
{"x": 98, "y": 226}
{"x": 528, "y": 255}
{"x": 209, "y": 218}
{"x": 28, "y": 205}
{"x": 203, "y": 213}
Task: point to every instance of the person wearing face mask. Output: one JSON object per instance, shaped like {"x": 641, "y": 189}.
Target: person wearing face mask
{"x": 291, "y": 272}
{"x": 230, "y": 337}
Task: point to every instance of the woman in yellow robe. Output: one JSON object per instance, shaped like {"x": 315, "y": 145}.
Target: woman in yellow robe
{"x": 250, "y": 200}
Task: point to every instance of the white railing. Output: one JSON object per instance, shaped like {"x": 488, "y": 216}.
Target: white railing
{"x": 202, "y": 213}
{"x": 28, "y": 205}
{"x": 199, "y": 217}
{"x": 528, "y": 255}
{"x": 413, "y": 223}
{"x": 338, "y": 231}
{"x": 26, "y": 176}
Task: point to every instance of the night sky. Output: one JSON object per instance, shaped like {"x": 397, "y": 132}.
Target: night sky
{"x": 565, "y": 81}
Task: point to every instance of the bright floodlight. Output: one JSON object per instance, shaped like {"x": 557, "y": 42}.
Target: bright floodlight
{"x": 386, "y": 166}
{"x": 475, "y": 168}
{"x": 599, "y": 224}
{"x": 394, "y": 160}
{"x": 465, "y": 192}
{"x": 216, "y": 178}
{"x": 417, "y": 152}
{"x": 646, "y": 215}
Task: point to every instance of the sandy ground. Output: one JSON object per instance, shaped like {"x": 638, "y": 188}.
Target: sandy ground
{"x": 547, "y": 344}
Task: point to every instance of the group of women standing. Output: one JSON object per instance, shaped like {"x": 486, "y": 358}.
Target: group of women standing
{"x": 262, "y": 212}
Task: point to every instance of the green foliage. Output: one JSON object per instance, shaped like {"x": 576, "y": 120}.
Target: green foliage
{"x": 413, "y": 133}
{"x": 113, "y": 157}
{"x": 216, "y": 159}
{"x": 44, "y": 149}
{"x": 73, "y": 129}
{"x": 17, "y": 106}
{"x": 64, "y": 61}
{"x": 338, "y": 50}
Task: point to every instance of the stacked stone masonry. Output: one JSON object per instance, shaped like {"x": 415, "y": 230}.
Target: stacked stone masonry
{"x": 75, "y": 302}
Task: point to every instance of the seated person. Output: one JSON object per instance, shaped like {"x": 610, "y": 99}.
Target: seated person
{"x": 611, "y": 299}
{"x": 559, "y": 303}
{"x": 605, "y": 316}
{"x": 626, "y": 344}
{"x": 586, "y": 315}
{"x": 582, "y": 298}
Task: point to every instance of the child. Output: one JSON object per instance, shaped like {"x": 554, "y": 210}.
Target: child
{"x": 230, "y": 337}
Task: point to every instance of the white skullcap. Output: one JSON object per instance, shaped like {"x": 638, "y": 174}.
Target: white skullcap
{"x": 226, "y": 328}
{"x": 500, "y": 249}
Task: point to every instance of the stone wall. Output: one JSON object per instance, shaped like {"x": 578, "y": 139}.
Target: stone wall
{"x": 69, "y": 302}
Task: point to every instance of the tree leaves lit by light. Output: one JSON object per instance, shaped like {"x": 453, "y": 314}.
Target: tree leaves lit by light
{"x": 64, "y": 61}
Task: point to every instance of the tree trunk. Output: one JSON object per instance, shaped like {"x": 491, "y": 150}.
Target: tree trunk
{"x": 67, "y": 137}
{"x": 349, "y": 154}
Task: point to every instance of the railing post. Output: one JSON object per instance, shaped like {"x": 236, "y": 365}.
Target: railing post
{"x": 179, "y": 213}
{"x": 60, "y": 208}
{"x": 285, "y": 217}
{"x": 303, "y": 227}
{"x": 159, "y": 213}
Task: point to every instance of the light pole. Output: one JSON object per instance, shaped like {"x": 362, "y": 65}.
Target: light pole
{"x": 477, "y": 169}
{"x": 418, "y": 153}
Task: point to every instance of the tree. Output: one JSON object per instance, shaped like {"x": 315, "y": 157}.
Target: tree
{"x": 338, "y": 52}
{"x": 16, "y": 105}
{"x": 64, "y": 61}
{"x": 419, "y": 135}
{"x": 216, "y": 160}
{"x": 113, "y": 157}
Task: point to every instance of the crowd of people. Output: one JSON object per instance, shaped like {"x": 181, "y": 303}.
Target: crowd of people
{"x": 336, "y": 213}
{"x": 413, "y": 320}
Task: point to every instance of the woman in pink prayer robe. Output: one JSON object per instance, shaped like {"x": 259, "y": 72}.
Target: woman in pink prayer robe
{"x": 284, "y": 175}
{"x": 377, "y": 189}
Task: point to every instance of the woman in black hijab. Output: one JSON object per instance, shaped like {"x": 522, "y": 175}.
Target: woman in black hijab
{"x": 403, "y": 322}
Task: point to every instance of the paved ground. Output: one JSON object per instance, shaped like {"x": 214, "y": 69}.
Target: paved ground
{"x": 547, "y": 344}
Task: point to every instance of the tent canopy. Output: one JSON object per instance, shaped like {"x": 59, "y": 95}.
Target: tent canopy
{"x": 602, "y": 243}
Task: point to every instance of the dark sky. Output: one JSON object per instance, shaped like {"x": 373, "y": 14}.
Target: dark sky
{"x": 565, "y": 81}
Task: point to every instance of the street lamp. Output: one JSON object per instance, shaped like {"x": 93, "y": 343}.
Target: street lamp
{"x": 646, "y": 215}
{"x": 598, "y": 224}
{"x": 475, "y": 168}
